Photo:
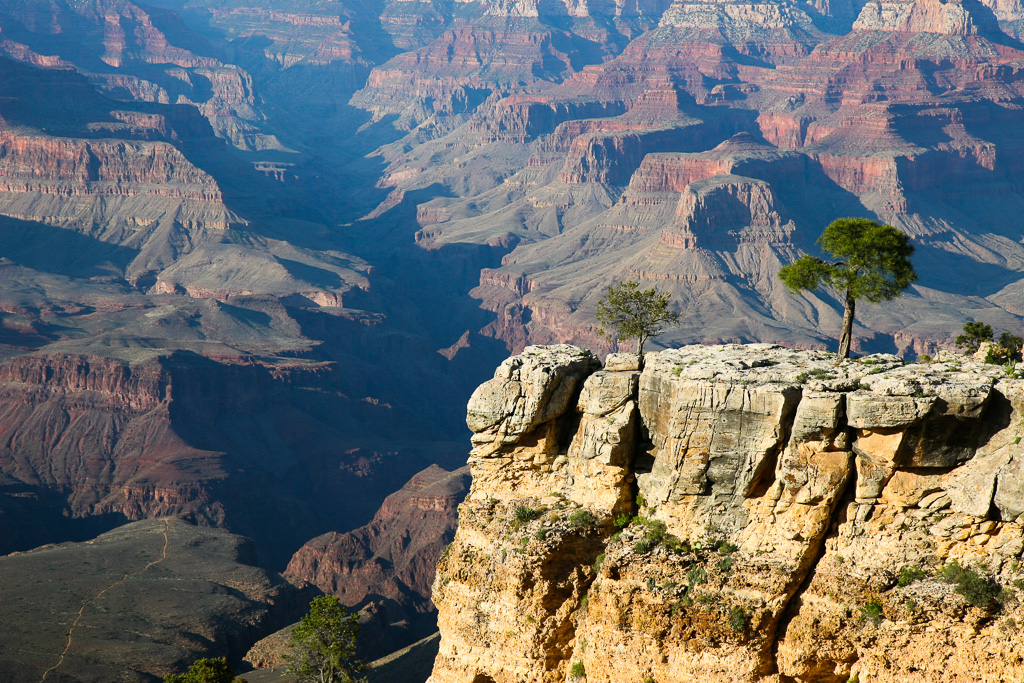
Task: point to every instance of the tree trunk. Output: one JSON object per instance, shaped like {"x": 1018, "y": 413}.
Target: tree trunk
{"x": 846, "y": 337}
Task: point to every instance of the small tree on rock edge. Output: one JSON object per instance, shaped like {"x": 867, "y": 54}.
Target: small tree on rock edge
{"x": 628, "y": 312}
{"x": 872, "y": 262}
{"x": 324, "y": 644}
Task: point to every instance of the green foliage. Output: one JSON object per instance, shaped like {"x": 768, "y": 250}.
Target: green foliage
{"x": 628, "y": 312}
{"x": 871, "y": 262}
{"x": 578, "y": 670}
{"x": 696, "y": 576}
{"x": 622, "y": 520}
{"x": 872, "y": 611}
{"x": 979, "y": 591}
{"x": 324, "y": 644}
{"x": 1006, "y": 351}
{"x": 909, "y": 575}
{"x": 727, "y": 548}
{"x": 974, "y": 334}
{"x": 924, "y": 358}
{"x": 524, "y": 514}
{"x": 582, "y": 519}
{"x": 725, "y": 564}
{"x": 206, "y": 671}
{"x": 676, "y": 545}
{"x": 598, "y": 562}
{"x": 738, "y": 619}
{"x": 642, "y": 546}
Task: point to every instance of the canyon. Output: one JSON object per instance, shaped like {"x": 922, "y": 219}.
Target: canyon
{"x": 255, "y": 255}
{"x": 737, "y": 512}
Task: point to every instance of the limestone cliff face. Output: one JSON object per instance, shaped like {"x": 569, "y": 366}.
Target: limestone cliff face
{"x": 790, "y": 520}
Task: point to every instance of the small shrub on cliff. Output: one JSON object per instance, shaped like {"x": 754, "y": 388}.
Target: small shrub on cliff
{"x": 738, "y": 619}
{"x": 582, "y": 519}
{"x": 578, "y": 670}
{"x": 524, "y": 514}
{"x": 872, "y": 612}
{"x": 909, "y": 575}
{"x": 623, "y": 520}
{"x": 676, "y": 545}
{"x": 726, "y": 548}
{"x": 696, "y": 576}
{"x": 979, "y": 591}
{"x": 642, "y": 547}
{"x": 725, "y": 565}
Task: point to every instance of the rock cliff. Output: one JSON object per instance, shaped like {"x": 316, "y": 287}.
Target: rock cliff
{"x": 741, "y": 513}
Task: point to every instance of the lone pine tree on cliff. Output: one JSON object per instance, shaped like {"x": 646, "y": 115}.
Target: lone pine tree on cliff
{"x": 628, "y": 312}
{"x": 871, "y": 262}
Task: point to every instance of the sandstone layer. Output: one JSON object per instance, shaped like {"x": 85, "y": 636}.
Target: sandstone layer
{"x": 743, "y": 513}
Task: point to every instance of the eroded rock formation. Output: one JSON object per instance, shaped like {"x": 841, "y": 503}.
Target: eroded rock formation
{"x": 796, "y": 520}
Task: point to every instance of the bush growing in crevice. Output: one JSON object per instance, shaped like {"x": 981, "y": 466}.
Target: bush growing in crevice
{"x": 979, "y": 591}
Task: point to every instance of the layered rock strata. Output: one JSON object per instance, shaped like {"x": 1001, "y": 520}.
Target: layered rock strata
{"x": 742, "y": 513}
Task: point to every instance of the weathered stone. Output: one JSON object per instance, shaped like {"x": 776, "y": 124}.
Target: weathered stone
{"x": 755, "y": 446}
{"x": 622, "y": 362}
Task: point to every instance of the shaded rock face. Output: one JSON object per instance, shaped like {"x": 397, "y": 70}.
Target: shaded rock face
{"x": 780, "y": 497}
{"x": 88, "y": 437}
{"x": 386, "y": 568}
{"x": 137, "y": 603}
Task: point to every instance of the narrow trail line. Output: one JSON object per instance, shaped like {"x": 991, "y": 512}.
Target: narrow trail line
{"x": 74, "y": 624}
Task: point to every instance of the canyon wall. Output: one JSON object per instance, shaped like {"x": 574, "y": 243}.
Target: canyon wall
{"x": 741, "y": 513}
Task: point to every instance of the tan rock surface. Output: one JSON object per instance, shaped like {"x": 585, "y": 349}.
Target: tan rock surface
{"x": 794, "y": 514}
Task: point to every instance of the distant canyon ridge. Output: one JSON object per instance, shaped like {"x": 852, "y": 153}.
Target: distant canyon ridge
{"x": 256, "y": 254}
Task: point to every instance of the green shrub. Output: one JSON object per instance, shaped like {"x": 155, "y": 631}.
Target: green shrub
{"x": 726, "y": 548}
{"x": 974, "y": 334}
{"x": 578, "y": 670}
{"x": 872, "y": 612}
{"x": 725, "y": 565}
{"x": 676, "y": 545}
{"x": 524, "y": 514}
{"x": 979, "y": 591}
{"x": 582, "y": 519}
{"x": 623, "y": 520}
{"x": 738, "y": 619}
{"x": 642, "y": 546}
{"x": 909, "y": 575}
{"x": 696, "y": 576}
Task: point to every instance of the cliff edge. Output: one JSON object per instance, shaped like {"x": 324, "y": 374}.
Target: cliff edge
{"x": 740, "y": 513}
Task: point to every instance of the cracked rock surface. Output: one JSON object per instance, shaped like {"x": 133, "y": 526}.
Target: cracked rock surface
{"x": 741, "y": 513}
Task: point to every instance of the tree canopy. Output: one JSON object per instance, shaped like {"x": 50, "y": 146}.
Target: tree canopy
{"x": 628, "y": 312}
{"x": 870, "y": 261}
{"x": 206, "y": 671}
{"x": 324, "y": 644}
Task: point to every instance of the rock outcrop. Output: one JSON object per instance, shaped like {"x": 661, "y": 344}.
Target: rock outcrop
{"x": 742, "y": 513}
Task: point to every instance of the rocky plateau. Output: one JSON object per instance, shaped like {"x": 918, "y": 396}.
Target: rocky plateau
{"x": 737, "y": 512}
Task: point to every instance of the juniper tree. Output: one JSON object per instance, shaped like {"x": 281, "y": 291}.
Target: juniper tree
{"x": 628, "y": 312}
{"x": 870, "y": 261}
{"x": 324, "y": 644}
